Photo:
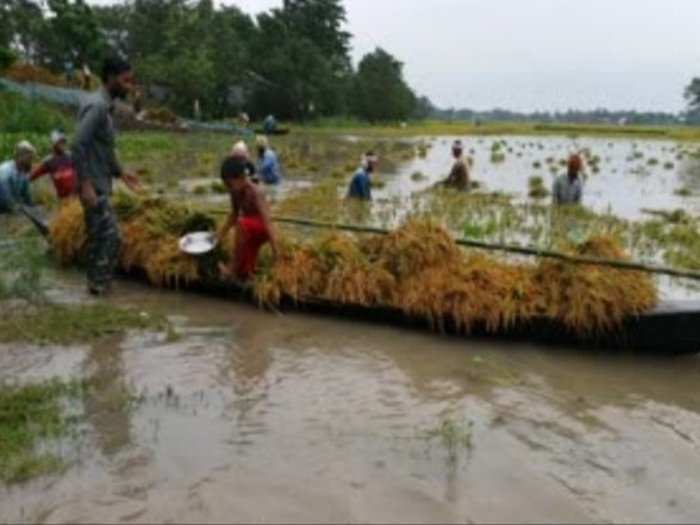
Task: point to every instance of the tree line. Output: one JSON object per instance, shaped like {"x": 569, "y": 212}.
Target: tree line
{"x": 292, "y": 61}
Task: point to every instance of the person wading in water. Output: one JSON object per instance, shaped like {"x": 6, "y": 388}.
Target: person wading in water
{"x": 568, "y": 189}
{"x": 96, "y": 165}
{"x": 459, "y": 175}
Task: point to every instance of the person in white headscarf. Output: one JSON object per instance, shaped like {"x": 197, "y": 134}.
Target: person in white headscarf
{"x": 240, "y": 151}
{"x": 14, "y": 178}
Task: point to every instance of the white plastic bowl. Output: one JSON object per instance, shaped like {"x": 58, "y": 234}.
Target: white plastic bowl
{"x": 198, "y": 243}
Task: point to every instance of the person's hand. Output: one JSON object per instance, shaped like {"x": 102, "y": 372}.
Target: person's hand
{"x": 222, "y": 233}
{"x": 132, "y": 181}
{"x": 87, "y": 195}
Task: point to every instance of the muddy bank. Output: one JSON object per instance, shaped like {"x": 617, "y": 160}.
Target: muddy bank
{"x": 255, "y": 417}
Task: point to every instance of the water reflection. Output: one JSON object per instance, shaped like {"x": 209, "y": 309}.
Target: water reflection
{"x": 109, "y": 397}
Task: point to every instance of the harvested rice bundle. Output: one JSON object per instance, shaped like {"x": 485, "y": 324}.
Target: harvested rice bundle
{"x": 418, "y": 269}
{"x": 334, "y": 268}
{"x": 415, "y": 246}
{"x": 594, "y": 299}
{"x": 474, "y": 291}
{"x": 67, "y": 232}
{"x": 168, "y": 266}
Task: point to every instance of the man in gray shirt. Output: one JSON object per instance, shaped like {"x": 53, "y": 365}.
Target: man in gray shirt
{"x": 568, "y": 189}
{"x": 96, "y": 165}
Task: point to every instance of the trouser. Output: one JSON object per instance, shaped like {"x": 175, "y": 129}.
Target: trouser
{"x": 251, "y": 235}
{"x": 103, "y": 243}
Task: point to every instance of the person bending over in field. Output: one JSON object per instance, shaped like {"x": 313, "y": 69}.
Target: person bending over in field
{"x": 250, "y": 215}
{"x": 568, "y": 189}
{"x": 268, "y": 162}
{"x": 59, "y": 166}
{"x": 240, "y": 151}
{"x": 459, "y": 175}
{"x": 14, "y": 179}
{"x": 361, "y": 183}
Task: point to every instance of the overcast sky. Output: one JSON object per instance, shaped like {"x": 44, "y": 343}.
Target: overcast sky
{"x": 533, "y": 54}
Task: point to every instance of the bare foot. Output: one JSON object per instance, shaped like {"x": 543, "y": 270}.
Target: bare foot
{"x": 225, "y": 271}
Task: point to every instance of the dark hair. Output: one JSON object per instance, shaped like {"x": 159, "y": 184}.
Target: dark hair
{"x": 233, "y": 168}
{"x": 114, "y": 66}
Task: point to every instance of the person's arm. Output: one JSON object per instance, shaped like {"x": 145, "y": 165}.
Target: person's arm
{"x": 41, "y": 170}
{"x": 115, "y": 167}
{"x": 367, "y": 189}
{"x": 26, "y": 195}
{"x": 90, "y": 120}
{"x": 579, "y": 193}
{"x": 264, "y": 208}
{"x": 231, "y": 220}
{"x": 555, "y": 192}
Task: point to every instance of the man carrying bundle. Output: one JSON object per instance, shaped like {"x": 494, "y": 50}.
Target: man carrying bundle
{"x": 96, "y": 165}
{"x": 459, "y": 175}
{"x": 14, "y": 178}
{"x": 568, "y": 189}
{"x": 361, "y": 183}
{"x": 59, "y": 165}
{"x": 250, "y": 215}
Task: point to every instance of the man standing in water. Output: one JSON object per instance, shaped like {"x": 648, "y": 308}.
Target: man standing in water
{"x": 361, "y": 183}
{"x": 96, "y": 165}
{"x": 459, "y": 175}
{"x": 568, "y": 189}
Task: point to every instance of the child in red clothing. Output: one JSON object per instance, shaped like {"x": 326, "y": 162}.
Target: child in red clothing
{"x": 60, "y": 166}
{"x": 250, "y": 215}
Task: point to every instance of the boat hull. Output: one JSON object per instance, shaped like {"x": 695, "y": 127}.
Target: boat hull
{"x": 671, "y": 329}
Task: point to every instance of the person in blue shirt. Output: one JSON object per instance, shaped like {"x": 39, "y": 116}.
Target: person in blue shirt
{"x": 268, "y": 164}
{"x": 14, "y": 178}
{"x": 361, "y": 183}
{"x": 270, "y": 124}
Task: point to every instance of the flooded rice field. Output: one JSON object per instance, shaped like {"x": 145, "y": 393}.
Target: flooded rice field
{"x": 624, "y": 177}
{"x": 241, "y": 415}
{"x": 248, "y": 416}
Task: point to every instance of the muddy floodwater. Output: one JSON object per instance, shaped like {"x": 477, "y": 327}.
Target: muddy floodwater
{"x": 257, "y": 417}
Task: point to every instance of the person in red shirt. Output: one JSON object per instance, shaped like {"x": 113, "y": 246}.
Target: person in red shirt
{"x": 250, "y": 215}
{"x": 59, "y": 165}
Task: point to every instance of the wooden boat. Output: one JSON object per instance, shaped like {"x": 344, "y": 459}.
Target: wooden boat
{"x": 278, "y": 131}
{"x": 673, "y": 328}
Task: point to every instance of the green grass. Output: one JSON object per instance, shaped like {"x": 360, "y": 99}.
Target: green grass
{"x": 28, "y": 415}
{"x": 20, "y": 115}
{"x": 21, "y": 270}
{"x": 62, "y": 325}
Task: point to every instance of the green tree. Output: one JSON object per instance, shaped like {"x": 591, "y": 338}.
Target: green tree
{"x": 380, "y": 92}
{"x": 321, "y": 21}
{"x": 7, "y": 58}
{"x": 74, "y": 35}
{"x": 23, "y": 28}
{"x": 295, "y": 80}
